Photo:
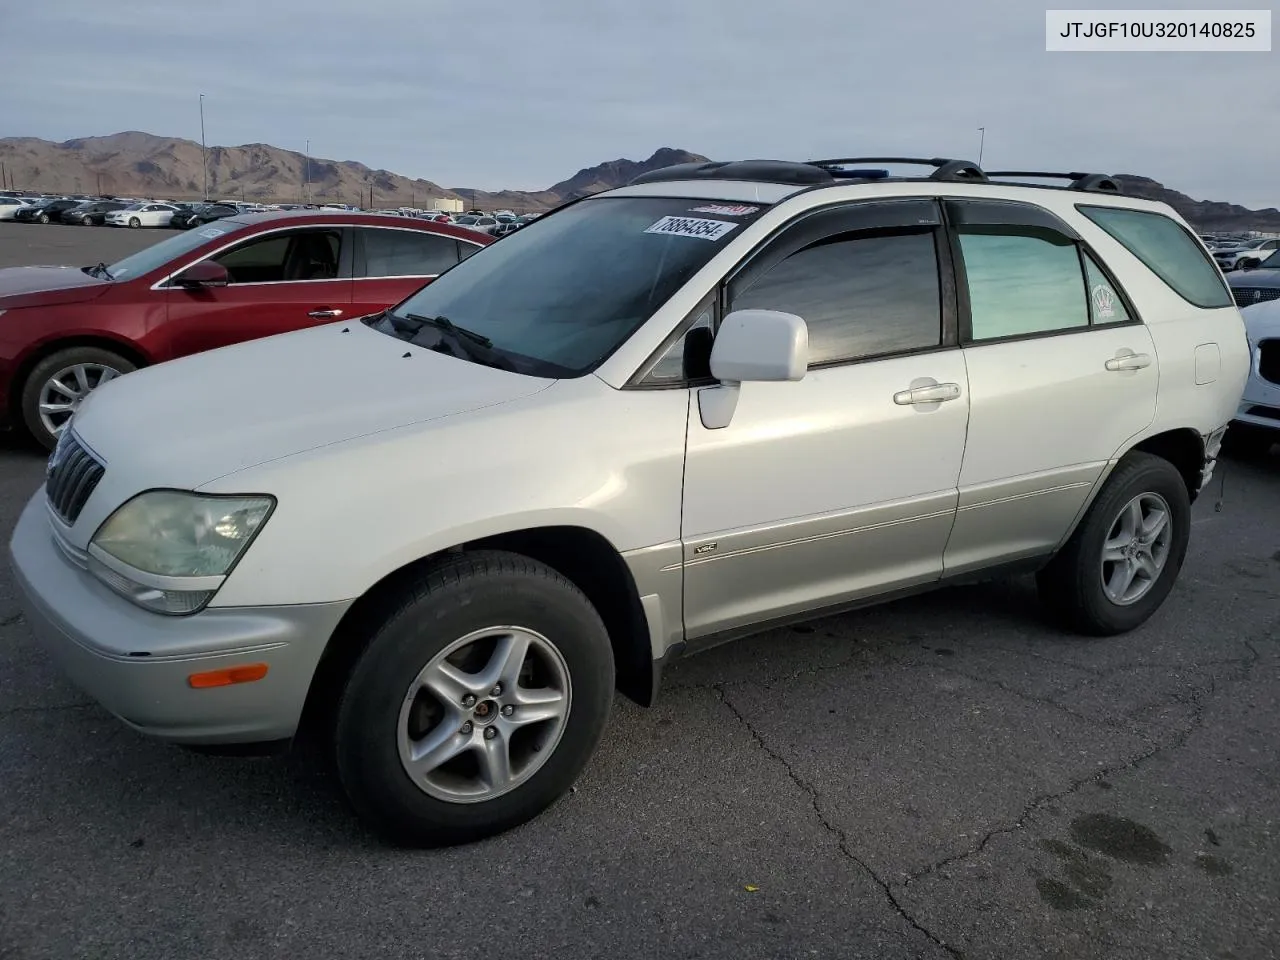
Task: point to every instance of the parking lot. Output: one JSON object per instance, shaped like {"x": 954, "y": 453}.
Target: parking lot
{"x": 946, "y": 776}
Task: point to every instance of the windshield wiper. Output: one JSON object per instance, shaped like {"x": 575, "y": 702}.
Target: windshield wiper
{"x": 448, "y": 326}
{"x": 99, "y": 271}
{"x": 463, "y": 343}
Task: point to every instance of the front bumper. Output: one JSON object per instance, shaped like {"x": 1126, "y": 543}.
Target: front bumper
{"x": 136, "y": 663}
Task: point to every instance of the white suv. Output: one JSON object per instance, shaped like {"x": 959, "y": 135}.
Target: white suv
{"x": 722, "y": 398}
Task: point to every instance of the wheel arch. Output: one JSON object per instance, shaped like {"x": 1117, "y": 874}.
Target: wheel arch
{"x": 583, "y": 556}
{"x": 49, "y": 347}
{"x": 1182, "y": 446}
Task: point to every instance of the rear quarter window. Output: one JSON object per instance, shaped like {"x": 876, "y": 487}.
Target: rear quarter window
{"x": 1168, "y": 250}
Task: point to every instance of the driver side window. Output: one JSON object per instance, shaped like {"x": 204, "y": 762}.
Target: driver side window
{"x": 282, "y": 257}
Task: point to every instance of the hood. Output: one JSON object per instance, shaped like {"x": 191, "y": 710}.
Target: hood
{"x": 1257, "y": 277}
{"x": 187, "y": 422}
{"x": 1262, "y": 320}
{"x": 70, "y": 283}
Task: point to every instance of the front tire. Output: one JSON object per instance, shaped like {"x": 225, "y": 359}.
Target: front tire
{"x": 135, "y": 223}
{"x": 1123, "y": 559}
{"x": 56, "y": 385}
{"x": 44, "y": 218}
{"x": 477, "y": 702}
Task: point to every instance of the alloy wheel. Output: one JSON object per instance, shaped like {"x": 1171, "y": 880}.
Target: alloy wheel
{"x": 1136, "y": 549}
{"x": 62, "y": 393}
{"x": 484, "y": 714}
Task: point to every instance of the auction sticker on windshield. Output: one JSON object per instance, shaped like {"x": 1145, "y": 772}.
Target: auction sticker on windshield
{"x": 692, "y": 227}
{"x": 725, "y": 210}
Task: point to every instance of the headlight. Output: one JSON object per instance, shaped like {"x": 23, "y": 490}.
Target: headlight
{"x": 170, "y": 551}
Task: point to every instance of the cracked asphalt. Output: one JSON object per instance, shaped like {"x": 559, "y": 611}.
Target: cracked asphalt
{"x": 942, "y": 777}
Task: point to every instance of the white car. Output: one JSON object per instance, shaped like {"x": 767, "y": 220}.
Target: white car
{"x": 1256, "y": 427}
{"x": 145, "y": 214}
{"x": 474, "y": 222}
{"x": 11, "y": 205}
{"x": 1246, "y": 255}
{"x": 719, "y": 399}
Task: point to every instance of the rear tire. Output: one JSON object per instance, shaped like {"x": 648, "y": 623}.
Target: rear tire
{"x": 36, "y": 386}
{"x": 1086, "y": 591}
{"x": 391, "y": 713}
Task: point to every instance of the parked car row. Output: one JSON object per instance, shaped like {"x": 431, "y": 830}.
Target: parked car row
{"x": 135, "y": 213}
{"x": 1240, "y": 252}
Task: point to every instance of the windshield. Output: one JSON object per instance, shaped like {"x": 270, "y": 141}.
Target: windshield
{"x": 557, "y": 297}
{"x": 157, "y": 255}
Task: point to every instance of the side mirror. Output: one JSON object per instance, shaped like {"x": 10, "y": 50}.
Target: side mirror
{"x": 760, "y": 345}
{"x": 206, "y": 273}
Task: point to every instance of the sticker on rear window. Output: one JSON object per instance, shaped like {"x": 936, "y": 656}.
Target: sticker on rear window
{"x": 1104, "y": 300}
{"x": 211, "y": 233}
{"x": 692, "y": 227}
{"x": 725, "y": 210}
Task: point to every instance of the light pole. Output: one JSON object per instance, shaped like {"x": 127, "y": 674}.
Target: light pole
{"x": 307, "y": 188}
{"x": 982, "y": 138}
{"x": 204, "y": 161}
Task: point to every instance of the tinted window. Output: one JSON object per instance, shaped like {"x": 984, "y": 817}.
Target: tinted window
{"x": 1168, "y": 250}
{"x": 861, "y": 296}
{"x": 407, "y": 253}
{"x": 1021, "y": 281}
{"x": 291, "y": 256}
{"x": 560, "y": 295}
{"x": 1105, "y": 305}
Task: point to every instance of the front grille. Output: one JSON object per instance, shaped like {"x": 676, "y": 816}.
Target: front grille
{"x": 1269, "y": 360}
{"x": 1246, "y": 296}
{"x": 73, "y": 474}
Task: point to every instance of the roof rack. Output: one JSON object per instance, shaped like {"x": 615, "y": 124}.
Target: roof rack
{"x": 944, "y": 169}
{"x": 1087, "y": 182}
{"x": 817, "y": 173}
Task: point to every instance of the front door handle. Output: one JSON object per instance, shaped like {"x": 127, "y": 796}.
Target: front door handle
{"x": 934, "y": 393}
{"x": 325, "y": 313}
{"x": 1128, "y": 360}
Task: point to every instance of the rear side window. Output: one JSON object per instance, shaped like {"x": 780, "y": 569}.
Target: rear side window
{"x": 1022, "y": 281}
{"x": 1168, "y": 250}
{"x": 407, "y": 253}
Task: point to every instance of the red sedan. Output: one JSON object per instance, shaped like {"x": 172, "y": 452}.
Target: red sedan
{"x": 64, "y": 331}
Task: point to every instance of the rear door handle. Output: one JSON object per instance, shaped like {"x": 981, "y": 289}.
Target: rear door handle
{"x": 1127, "y": 360}
{"x": 935, "y": 393}
{"x": 324, "y": 313}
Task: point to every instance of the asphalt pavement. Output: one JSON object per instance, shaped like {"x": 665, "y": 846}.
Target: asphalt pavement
{"x": 942, "y": 777}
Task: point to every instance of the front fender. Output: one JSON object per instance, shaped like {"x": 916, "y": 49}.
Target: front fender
{"x": 580, "y": 454}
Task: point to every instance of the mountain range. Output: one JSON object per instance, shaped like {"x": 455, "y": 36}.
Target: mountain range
{"x": 141, "y": 164}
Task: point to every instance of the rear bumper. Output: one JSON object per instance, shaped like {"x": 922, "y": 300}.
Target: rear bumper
{"x": 136, "y": 663}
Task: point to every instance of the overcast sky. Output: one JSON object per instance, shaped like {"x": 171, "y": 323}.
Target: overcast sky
{"x": 523, "y": 93}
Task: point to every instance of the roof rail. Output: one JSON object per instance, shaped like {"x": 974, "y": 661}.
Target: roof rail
{"x": 944, "y": 169}
{"x": 1087, "y": 182}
